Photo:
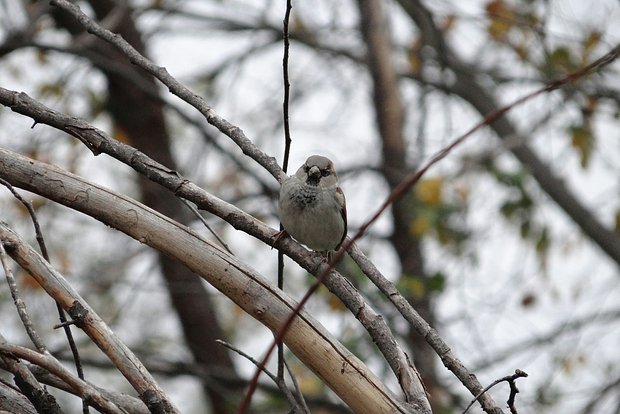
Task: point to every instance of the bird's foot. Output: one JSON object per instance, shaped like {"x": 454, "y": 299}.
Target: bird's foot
{"x": 279, "y": 235}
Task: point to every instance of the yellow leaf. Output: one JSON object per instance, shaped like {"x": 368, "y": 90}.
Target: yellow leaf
{"x": 591, "y": 41}
{"x": 412, "y": 286}
{"x": 120, "y": 134}
{"x": 501, "y": 19}
{"x": 429, "y": 191}
{"x": 420, "y": 226}
{"x": 413, "y": 56}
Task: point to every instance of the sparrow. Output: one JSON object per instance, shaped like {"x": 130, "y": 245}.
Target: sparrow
{"x": 312, "y": 206}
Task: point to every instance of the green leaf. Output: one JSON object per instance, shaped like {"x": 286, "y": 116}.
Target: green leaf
{"x": 582, "y": 140}
{"x": 437, "y": 282}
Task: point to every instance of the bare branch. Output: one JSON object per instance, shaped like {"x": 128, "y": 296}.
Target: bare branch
{"x": 175, "y": 87}
{"x": 279, "y": 381}
{"x": 443, "y": 350}
{"x": 126, "y": 402}
{"x": 57, "y": 287}
{"x": 61, "y": 313}
{"x": 28, "y": 384}
{"x": 511, "y": 380}
{"x": 342, "y": 371}
{"x": 20, "y": 304}
{"x": 182, "y": 187}
{"x": 86, "y": 391}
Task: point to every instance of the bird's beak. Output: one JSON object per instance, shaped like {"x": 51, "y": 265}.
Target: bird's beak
{"x": 314, "y": 172}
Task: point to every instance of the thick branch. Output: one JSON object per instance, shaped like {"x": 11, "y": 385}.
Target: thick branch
{"x": 340, "y": 369}
{"x": 99, "y": 142}
{"x": 57, "y": 287}
{"x": 87, "y": 392}
{"x": 13, "y": 402}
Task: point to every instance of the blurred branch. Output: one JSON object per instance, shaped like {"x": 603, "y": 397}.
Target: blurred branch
{"x": 338, "y": 368}
{"x": 297, "y": 407}
{"x": 598, "y": 397}
{"x": 389, "y": 115}
{"x": 27, "y": 383}
{"x": 175, "y": 87}
{"x": 86, "y": 391}
{"x": 126, "y": 402}
{"x": 611, "y": 317}
{"x": 177, "y": 368}
{"x": 12, "y": 401}
{"x": 99, "y": 142}
{"x": 84, "y": 317}
{"x": 467, "y": 86}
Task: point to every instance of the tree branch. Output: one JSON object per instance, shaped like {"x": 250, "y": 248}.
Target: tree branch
{"x": 175, "y": 87}
{"x": 38, "y": 396}
{"x": 338, "y": 368}
{"x": 470, "y": 90}
{"x": 99, "y": 142}
{"x": 511, "y": 380}
{"x": 87, "y": 392}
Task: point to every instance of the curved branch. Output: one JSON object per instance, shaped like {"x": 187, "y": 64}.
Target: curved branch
{"x": 98, "y": 142}
{"x": 86, "y": 391}
{"x": 175, "y": 87}
{"x": 12, "y": 401}
{"x": 41, "y": 400}
{"x": 340, "y": 369}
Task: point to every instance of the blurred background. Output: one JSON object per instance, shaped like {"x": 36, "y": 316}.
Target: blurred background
{"x": 508, "y": 246}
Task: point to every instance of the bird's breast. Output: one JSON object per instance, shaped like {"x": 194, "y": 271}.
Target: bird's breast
{"x": 306, "y": 197}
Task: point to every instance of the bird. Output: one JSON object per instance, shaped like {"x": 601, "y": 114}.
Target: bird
{"x": 312, "y": 206}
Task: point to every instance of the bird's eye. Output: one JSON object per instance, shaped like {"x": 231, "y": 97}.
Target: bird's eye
{"x": 306, "y": 168}
{"x": 324, "y": 173}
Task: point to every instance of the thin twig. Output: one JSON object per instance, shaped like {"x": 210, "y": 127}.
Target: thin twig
{"x": 61, "y": 312}
{"x": 19, "y": 303}
{"x": 248, "y": 357}
{"x": 279, "y": 381}
{"x": 174, "y": 86}
{"x": 204, "y": 222}
{"x": 287, "y": 148}
{"x": 300, "y": 395}
{"x": 287, "y": 86}
{"x": 511, "y": 379}
{"x": 410, "y": 180}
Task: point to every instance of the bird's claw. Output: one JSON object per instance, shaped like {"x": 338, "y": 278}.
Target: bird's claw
{"x": 276, "y": 237}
